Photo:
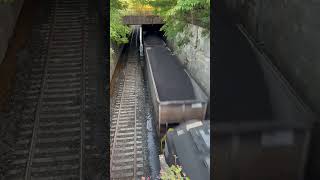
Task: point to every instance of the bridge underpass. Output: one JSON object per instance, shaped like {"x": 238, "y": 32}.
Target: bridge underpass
{"x": 141, "y": 18}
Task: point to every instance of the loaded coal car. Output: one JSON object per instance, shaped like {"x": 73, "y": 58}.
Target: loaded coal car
{"x": 176, "y": 97}
{"x": 188, "y": 145}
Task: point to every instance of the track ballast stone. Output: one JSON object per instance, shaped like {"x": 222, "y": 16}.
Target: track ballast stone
{"x": 58, "y": 128}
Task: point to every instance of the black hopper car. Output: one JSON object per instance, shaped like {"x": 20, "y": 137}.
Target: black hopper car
{"x": 188, "y": 145}
{"x": 176, "y": 97}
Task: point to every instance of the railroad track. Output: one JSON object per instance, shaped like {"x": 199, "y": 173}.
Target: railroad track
{"x": 126, "y": 129}
{"x": 51, "y": 141}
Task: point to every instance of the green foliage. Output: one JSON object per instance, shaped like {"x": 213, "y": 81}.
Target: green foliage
{"x": 205, "y": 32}
{"x": 173, "y": 173}
{"x": 118, "y": 31}
{"x": 178, "y": 13}
{"x": 118, "y": 5}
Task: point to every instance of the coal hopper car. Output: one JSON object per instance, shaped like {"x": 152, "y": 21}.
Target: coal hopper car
{"x": 188, "y": 145}
{"x": 176, "y": 96}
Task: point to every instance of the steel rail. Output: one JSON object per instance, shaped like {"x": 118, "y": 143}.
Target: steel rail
{"x": 39, "y": 104}
{"x": 128, "y": 94}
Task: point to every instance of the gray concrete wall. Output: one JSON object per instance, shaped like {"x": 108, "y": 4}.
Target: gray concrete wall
{"x": 137, "y": 20}
{"x": 195, "y": 55}
{"x": 8, "y": 17}
{"x": 114, "y": 58}
{"x": 290, "y": 31}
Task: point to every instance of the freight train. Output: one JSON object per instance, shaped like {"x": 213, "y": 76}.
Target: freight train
{"x": 188, "y": 146}
{"x": 175, "y": 95}
{"x": 178, "y": 102}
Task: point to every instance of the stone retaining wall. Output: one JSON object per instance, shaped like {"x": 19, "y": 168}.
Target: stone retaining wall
{"x": 114, "y": 58}
{"x": 195, "y": 55}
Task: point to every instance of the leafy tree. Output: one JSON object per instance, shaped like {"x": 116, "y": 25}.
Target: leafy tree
{"x": 118, "y": 31}
{"x": 135, "y": 7}
{"x": 178, "y": 13}
{"x": 174, "y": 172}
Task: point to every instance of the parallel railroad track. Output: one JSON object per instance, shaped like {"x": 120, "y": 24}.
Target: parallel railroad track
{"x": 51, "y": 142}
{"x": 126, "y": 129}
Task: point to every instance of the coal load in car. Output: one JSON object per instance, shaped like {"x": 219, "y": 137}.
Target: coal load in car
{"x": 176, "y": 96}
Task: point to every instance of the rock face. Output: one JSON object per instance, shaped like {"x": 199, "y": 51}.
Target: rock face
{"x": 195, "y": 54}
